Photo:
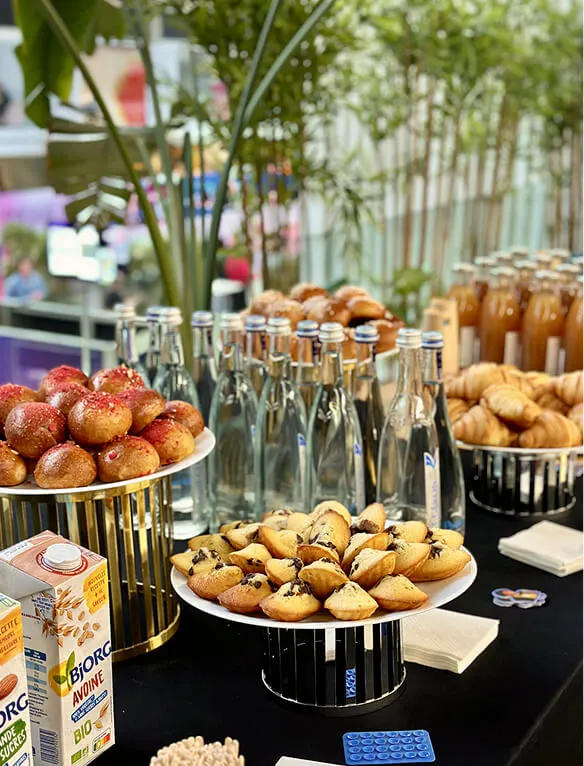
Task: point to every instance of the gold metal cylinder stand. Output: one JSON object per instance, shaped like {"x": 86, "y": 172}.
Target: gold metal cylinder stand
{"x": 131, "y": 526}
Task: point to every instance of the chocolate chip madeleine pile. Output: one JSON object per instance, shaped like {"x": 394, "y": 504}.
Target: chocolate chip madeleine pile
{"x": 292, "y": 565}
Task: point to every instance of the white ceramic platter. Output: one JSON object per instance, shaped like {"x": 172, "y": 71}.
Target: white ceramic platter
{"x": 439, "y": 593}
{"x": 204, "y": 444}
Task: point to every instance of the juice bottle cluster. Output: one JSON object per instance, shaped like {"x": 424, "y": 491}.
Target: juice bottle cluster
{"x": 513, "y": 310}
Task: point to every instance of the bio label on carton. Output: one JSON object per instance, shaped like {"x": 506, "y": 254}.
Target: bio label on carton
{"x": 63, "y": 589}
{"x": 15, "y": 741}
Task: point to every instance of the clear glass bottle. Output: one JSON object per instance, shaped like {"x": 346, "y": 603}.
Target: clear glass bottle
{"x": 154, "y": 340}
{"x": 255, "y": 352}
{"x": 280, "y": 436}
{"x": 369, "y": 405}
{"x": 469, "y": 308}
{"x": 408, "y": 469}
{"x": 307, "y": 368}
{"x": 232, "y": 419}
{"x": 335, "y": 446}
{"x": 126, "y": 350}
{"x": 204, "y": 367}
{"x": 452, "y": 495}
{"x": 190, "y": 503}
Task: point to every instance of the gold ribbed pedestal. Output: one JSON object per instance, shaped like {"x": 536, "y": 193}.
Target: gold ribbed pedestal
{"x": 131, "y": 526}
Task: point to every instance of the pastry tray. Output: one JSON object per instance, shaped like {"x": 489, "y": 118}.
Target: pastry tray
{"x": 204, "y": 444}
{"x": 439, "y": 593}
{"x": 546, "y": 452}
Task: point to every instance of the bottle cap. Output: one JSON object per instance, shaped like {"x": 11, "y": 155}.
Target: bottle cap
{"x": 432, "y": 339}
{"x": 407, "y": 338}
{"x": 526, "y": 266}
{"x": 307, "y": 328}
{"x": 202, "y": 319}
{"x": 153, "y": 312}
{"x": 255, "y": 323}
{"x": 125, "y": 311}
{"x": 465, "y": 268}
{"x": 331, "y": 332}
{"x": 568, "y": 269}
{"x": 501, "y": 256}
{"x": 504, "y": 271}
{"x": 279, "y": 326}
{"x": 484, "y": 261}
{"x": 366, "y": 333}
{"x": 560, "y": 253}
{"x": 62, "y": 556}
{"x": 170, "y": 316}
{"x": 231, "y": 322}
{"x": 547, "y": 274}
{"x": 520, "y": 250}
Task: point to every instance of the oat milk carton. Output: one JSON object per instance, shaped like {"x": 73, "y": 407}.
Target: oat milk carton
{"x": 63, "y": 591}
{"x": 15, "y": 741}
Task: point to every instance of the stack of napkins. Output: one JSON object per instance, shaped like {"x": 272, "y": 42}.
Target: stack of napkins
{"x": 447, "y": 640}
{"x": 548, "y": 546}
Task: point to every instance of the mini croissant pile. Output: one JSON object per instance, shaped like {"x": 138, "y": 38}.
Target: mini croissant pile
{"x": 497, "y": 405}
{"x": 291, "y": 565}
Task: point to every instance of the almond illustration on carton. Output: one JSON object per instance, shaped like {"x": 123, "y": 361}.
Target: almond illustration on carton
{"x": 7, "y": 685}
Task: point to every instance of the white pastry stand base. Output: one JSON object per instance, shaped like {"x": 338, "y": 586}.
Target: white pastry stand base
{"x": 330, "y": 666}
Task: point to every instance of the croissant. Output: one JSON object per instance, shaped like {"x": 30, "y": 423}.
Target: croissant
{"x": 539, "y": 380}
{"x": 473, "y": 381}
{"x": 576, "y": 415}
{"x": 547, "y": 400}
{"x": 457, "y": 408}
{"x": 480, "y": 426}
{"x": 511, "y": 405}
{"x": 569, "y": 387}
{"x": 549, "y": 431}
{"x": 517, "y": 379}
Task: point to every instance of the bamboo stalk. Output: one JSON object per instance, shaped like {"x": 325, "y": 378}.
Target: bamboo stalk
{"x": 63, "y": 35}
{"x": 409, "y": 92}
{"x": 558, "y": 239}
{"x": 265, "y": 269}
{"x": 573, "y": 197}
{"x": 438, "y": 213}
{"x": 450, "y": 199}
{"x": 495, "y": 180}
{"x": 382, "y": 216}
{"x": 508, "y": 178}
{"x": 245, "y": 210}
{"x": 426, "y": 170}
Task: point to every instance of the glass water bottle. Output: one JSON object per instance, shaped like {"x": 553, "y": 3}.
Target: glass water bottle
{"x": 255, "y": 352}
{"x": 408, "y": 468}
{"x": 307, "y": 372}
{"x": 367, "y": 398}
{"x": 280, "y": 436}
{"x": 335, "y": 446}
{"x": 232, "y": 419}
{"x": 126, "y": 350}
{"x": 154, "y": 340}
{"x": 204, "y": 367}
{"x": 452, "y": 497}
{"x": 189, "y": 496}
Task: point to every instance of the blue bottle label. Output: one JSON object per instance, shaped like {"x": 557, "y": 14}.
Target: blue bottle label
{"x": 432, "y": 481}
{"x": 359, "y": 477}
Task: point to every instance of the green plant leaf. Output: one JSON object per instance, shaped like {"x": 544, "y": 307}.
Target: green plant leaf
{"x": 60, "y": 679}
{"x": 47, "y": 68}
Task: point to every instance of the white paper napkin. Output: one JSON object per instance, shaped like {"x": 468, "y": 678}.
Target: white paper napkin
{"x": 447, "y": 640}
{"x": 548, "y": 546}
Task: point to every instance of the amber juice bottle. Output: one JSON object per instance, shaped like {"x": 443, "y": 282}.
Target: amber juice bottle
{"x": 542, "y": 326}
{"x": 500, "y": 319}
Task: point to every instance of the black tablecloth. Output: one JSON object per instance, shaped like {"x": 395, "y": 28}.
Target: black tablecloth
{"x": 519, "y": 703}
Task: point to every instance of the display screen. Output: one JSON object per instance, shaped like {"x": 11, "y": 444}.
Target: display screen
{"x": 72, "y": 253}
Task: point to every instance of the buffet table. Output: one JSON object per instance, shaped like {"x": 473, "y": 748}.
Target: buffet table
{"x": 519, "y": 703}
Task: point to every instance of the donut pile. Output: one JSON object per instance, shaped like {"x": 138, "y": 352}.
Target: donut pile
{"x": 75, "y": 429}
{"x": 350, "y": 305}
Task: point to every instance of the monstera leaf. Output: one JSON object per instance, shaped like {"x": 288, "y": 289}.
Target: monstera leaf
{"x": 46, "y": 66}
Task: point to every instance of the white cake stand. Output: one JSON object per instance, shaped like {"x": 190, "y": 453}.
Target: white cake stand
{"x": 333, "y": 666}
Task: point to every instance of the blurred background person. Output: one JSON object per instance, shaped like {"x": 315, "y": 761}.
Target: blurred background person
{"x": 26, "y": 283}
